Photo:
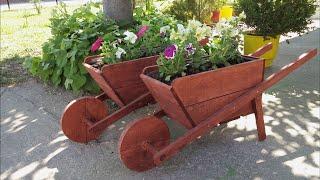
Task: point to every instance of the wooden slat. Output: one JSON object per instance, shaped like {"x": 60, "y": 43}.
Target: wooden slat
{"x": 201, "y": 111}
{"x": 130, "y": 93}
{"x": 103, "y": 84}
{"x": 127, "y": 73}
{"x": 166, "y": 100}
{"x": 212, "y": 84}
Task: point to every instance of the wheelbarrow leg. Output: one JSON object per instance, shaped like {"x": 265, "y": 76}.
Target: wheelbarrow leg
{"x": 258, "y": 112}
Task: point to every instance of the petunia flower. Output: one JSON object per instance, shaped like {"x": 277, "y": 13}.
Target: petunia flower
{"x": 170, "y": 51}
{"x": 97, "y": 44}
{"x": 142, "y": 31}
{"x": 164, "y": 29}
{"x": 130, "y": 36}
{"x": 119, "y": 52}
{"x": 190, "y": 49}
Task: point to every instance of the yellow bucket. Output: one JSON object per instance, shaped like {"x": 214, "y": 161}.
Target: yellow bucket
{"x": 226, "y": 12}
{"x": 253, "y": 42}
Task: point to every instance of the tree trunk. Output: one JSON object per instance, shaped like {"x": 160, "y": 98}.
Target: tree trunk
{"x": 119, "y": 10}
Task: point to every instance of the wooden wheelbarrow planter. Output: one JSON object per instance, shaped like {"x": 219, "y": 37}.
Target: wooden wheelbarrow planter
{"x": 86, "y": 118}
{"x": 199, "y": 102}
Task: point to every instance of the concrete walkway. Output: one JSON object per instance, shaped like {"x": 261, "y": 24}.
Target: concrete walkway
{"x": 33, "y": 146}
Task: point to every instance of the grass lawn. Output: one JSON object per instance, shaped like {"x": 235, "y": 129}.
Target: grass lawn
{"x": 23, "y": 32}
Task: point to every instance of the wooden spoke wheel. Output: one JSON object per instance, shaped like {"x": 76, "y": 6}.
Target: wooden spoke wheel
{"x": 74, "y": 121}
{"x": 147, "y": 130}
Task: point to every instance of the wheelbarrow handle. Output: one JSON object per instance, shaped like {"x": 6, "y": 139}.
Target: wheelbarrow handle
{"x": 261, "y": 51}
{"x": 230, "y": 109}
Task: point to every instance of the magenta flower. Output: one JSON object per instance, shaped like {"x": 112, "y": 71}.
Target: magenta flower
{"x": 170, "y": 51}
{"x": 142, "y": 31}
{"x": 97, "y": 44}
{"x": 190, "y": 49}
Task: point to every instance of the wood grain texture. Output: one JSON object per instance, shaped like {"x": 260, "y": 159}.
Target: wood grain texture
{"x": 166, "y": 100}
{"x": 121, "y": 81}
{"x": 78, "y": 115}
{"x": 96, "y": 74}
{"x": 124, "y": 77}
{"x": 132, "y": 144}
{"x": 201, "y": 87}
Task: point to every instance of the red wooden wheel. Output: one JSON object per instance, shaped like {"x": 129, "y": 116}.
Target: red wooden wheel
{"x": 147, "y": 130}
{"x": 74, "y": 121}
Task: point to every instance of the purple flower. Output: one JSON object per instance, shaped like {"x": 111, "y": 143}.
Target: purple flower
{"x": 142, "y": 30}
{"x": 170, "y": 51}
{"x": 96, "y": 45}
{"x": 190, "y": 49}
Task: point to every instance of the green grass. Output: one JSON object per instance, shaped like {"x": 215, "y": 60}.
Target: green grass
{"x": 22, "y": 34}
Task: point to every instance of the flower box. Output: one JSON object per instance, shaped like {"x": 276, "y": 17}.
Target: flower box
{"x": 121, "y": 81}
{"x": 192, "y": 99}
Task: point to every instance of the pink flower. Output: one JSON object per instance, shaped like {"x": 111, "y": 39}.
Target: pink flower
{"x": 142, "y": 30}
{"x": 96, "y": 45}
{"x": 170, "y": 51}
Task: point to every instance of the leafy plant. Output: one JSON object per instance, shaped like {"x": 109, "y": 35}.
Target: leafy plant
{"x": 37, "y": 5}
{"x": 277, "y": 17}
{"x": 142, "y": 39}
{"x": 63, "y": 54}
{"x": 186, "y": 56}
{"x": 194, "y": 9}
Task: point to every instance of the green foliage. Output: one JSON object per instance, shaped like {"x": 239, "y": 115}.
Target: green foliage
{"x": 194, "y": 9}
{"x": 190, "y": 57}
{"x": 151, "y": 43}
{"x": 37, "y": 5}
{"x": 277, "y": 17}
{"x": 63, "y": 54}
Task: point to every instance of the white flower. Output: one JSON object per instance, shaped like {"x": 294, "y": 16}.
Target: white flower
{"x": 214, "y": 33}
{"x": 130, "y": 36}
{"x": 242, "y": 15}
{"x": 194, "y": 24}
{"x": 164, "y": 29}
{"x": 203, "y": 32}
{"x": 119, "y": 52}
{"x": 181, "y": 29}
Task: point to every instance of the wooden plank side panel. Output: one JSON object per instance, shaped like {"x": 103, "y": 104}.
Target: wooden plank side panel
{"x": 96, "y": 75}
{"x": 130, "y": 93}
{"x": 166, "y": 100}
{"x": 201, "y": 111}
{"x": 127, "y": 73}
{"x": 212, "y": 84}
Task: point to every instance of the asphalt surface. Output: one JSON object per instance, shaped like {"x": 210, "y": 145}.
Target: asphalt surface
{"x": 34, "y": 147}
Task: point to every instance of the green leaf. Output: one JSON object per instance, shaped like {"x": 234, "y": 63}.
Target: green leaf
{"x": 78, "y": 82}
{"x": 67, "y": 83}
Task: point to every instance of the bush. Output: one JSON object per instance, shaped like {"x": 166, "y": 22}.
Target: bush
{"x": 277, "y": 17}
{"x": 194, "y": 9}
{"x": 63, "y": 54}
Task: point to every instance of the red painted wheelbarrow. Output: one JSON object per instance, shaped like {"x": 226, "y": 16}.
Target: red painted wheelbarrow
{"x": 86, "y": 118}
{"x": 199, "y": 102}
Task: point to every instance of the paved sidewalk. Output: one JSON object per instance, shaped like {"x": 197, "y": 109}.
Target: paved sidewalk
{"x": 33, "y": 146}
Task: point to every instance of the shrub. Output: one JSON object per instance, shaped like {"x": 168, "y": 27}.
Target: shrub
{"x": 194, "y": 9}
{"x": 277, "y": 17}
{"x": 63, "y": 54}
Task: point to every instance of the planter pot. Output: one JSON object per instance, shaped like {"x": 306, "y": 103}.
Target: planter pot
{"x": 226, "y": 12}
{"x": 253, "y": 42}
{"x": 192, "y": 99}
{"x": 215, "y": 16}
{"x": 121, "y": 81}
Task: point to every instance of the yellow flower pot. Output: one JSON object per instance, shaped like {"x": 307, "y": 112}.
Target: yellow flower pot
{"x": 226, "y": 12}
{"x": 254, "y": 42}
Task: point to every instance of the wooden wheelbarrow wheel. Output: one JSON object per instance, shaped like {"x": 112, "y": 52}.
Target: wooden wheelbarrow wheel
{"x": 150, "y": 130}
{"x": 78, "y": 115}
